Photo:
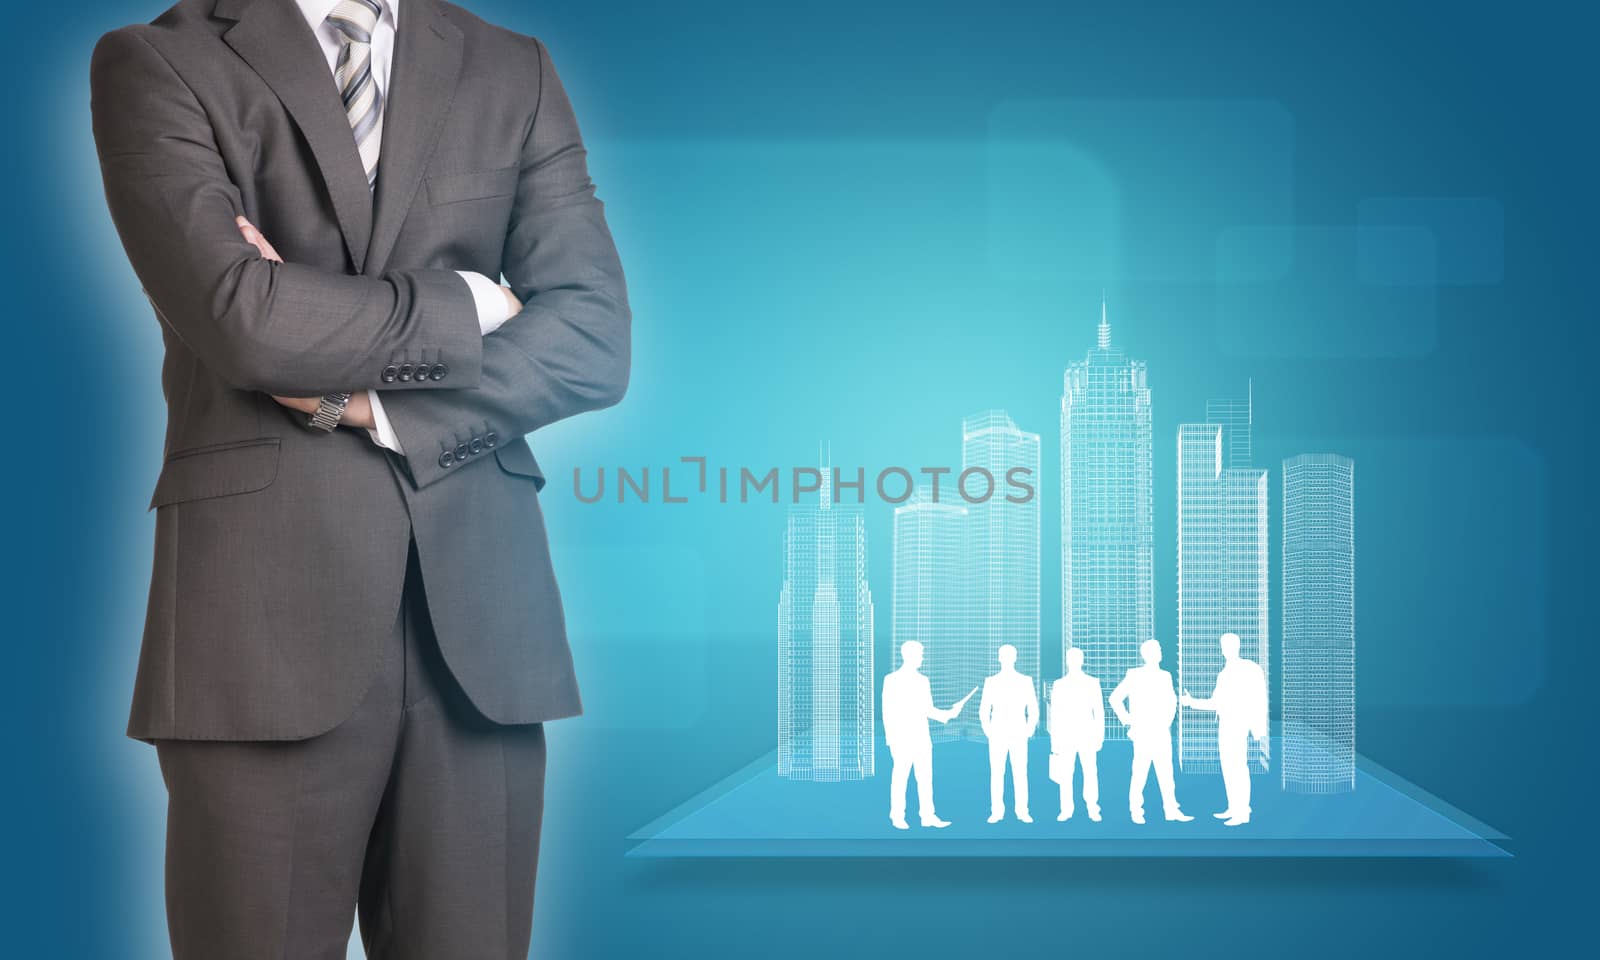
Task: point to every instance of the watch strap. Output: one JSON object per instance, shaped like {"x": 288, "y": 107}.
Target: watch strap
{"x": 329, "y": 411}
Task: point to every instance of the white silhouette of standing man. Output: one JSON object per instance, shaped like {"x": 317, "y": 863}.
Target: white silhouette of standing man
{"x": 1008, "y": 713}
{"x": 1240, "y": 702}
{"x": 907, "y": 708}
{"x": 1077, "y": 730}
{"x": 1146, "y": 704}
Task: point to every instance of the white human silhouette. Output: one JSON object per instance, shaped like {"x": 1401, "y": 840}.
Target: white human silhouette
{"x": 1146, "y": 704}
{"x": 1077, "y": 729}
{"x": 1240, "y": 702}
{"x": 907, "y": 708}
{"x": 1008, "y": 714}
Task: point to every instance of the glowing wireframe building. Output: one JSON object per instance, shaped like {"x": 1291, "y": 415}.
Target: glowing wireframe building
{"x": 1222, "y": 581}
{"x": 826, "y": 706}
{"x": 930, "y": 589}
{"x": 1107, "y": 536}
{"x": 1002, "y": 554}
{"x": 1236, "y": 416}
{"x": 1318, "y": 752}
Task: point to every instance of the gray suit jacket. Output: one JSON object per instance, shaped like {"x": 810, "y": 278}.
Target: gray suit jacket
{"x": 280, "y": 552}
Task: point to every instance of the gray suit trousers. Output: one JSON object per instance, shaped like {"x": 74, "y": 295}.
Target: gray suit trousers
{"x": 415, "y": 813}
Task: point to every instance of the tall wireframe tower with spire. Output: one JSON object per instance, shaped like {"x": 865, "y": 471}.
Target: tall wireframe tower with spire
{"x": 1107, "y": 498}
{"x": 826, "y": 712}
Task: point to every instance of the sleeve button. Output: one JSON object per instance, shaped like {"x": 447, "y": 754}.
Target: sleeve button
{"x": 461, "y": 451}
{"x": 421, "y": 372}
{"x": 446, "y": 458}
{"x": 475, "y": 445}
{"x": 438, "y": 371}
{"x": 405, "y": 372}
{"x": 390, "y": 372}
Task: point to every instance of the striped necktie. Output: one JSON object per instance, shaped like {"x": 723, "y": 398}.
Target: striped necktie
{"x": 355, "y": 21}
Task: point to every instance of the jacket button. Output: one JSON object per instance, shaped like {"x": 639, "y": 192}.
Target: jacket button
{"x": 461, "y": 451}
{"x": 446, "y": 458}
{"x": 438, "y": 372}
{"x": 422, "y": 372}
{"x": 490, "y": 439}
{"x": 390, "y": 372}
{"x": 405, "y": 372}
{"x": 475, "y": 445}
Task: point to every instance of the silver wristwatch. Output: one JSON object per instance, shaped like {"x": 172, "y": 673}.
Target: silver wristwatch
{"x": 329, "y": 411}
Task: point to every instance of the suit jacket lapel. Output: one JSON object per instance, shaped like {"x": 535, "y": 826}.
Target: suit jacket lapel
{"x": 273, "y": 37}
{"x": 422, "y": 85}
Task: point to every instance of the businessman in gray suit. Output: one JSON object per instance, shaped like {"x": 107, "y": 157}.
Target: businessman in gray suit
{"x": 354, "y": 634}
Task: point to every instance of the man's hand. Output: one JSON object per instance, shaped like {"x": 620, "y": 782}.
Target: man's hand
{"x": 254, "y": 236}
{"x": 358, "y": 412}
{"x": 514, "y": 306}
{"x": 306, "y": 405}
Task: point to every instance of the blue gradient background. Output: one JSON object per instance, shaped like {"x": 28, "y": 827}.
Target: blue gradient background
{"x": 854, "y": 223}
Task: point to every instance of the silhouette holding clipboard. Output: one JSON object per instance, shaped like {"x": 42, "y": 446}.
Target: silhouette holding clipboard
{"x": 907, "y": 708}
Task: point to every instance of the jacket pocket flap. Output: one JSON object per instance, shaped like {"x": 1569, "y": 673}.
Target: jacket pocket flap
{"x": 474, "y": 185}
{"x": 518, "y": 458}
{"x": 217, "y": 470}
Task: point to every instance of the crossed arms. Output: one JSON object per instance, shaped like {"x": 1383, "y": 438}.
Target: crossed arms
{"x": 295, "y": 331}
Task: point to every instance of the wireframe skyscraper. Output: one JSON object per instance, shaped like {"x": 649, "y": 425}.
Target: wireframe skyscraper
{"x": 931, "y": 581}
{"x": 1319, "y": 639}
{"x": 1236, "y": 416}
{"x": 1002, "y": 553}
{"x": 825, "y": 666}
{"x": 1107, "y": 537}
{"x": 1222, "y": 573}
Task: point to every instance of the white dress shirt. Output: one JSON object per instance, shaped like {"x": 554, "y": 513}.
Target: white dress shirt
{"x": 492, "y": 305}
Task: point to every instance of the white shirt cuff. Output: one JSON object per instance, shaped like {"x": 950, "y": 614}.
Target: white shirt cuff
{"x": 382, "y": 432}
{"x": 493, "y": 307}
